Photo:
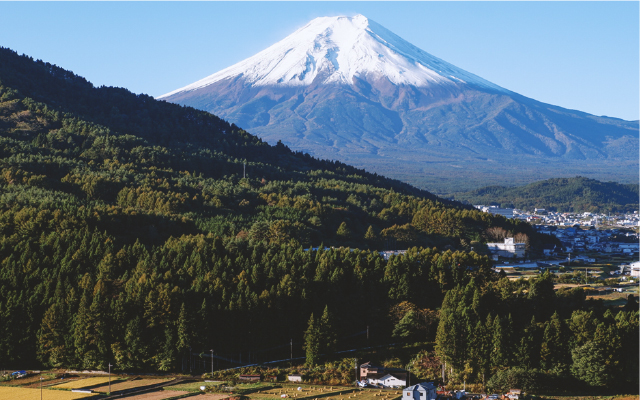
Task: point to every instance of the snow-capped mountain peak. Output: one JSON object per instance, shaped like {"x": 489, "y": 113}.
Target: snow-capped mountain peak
{"x": 337, "y": 50}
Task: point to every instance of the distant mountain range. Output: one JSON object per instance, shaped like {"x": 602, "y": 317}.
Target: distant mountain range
{"x": 348, "y": 89}
{"x": 562, "y": 194}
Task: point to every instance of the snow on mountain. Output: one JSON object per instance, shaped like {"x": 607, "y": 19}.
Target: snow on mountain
{"x": 345, "y": 88}
{"x": 337, "y": 50}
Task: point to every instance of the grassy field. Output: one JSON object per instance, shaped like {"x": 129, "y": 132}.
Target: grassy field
{"x": 326, "y": 393}
{"x": 17, "y": 393}
{"x": 189, "y": 387}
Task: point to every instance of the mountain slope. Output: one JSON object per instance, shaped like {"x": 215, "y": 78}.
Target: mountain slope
{"x": 348, "y": 89}
{"x": 128, "y": 233}
{"x": 561, "y": 194}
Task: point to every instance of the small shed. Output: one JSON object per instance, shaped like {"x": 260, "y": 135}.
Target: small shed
{"x": 421, "y": 391}
{"x": 249, "y": 378}
{"x": 294, "y": 378}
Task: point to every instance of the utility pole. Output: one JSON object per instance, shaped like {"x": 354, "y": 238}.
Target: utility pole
{"x": 244, "y": 169}
{"x": 291, "y": 358}
{"x": 367, "y": 332}
{"x": 109, "y": 379}
{"x": 211, "y": 363}
{"x": 355, "y": 367}
{"x": 40, "y": 385}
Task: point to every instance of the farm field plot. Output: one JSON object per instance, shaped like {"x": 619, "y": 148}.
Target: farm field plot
{"x": 326, "y": 393}
{"x": 51, "y": 382}
{"x": 83, "y": 383}
{"x": 28, "y": 380}
{"x": 293, "y": 392}
{"x": 189, "y": 387}
{"x": 159, "y": 395}
{"x": 16, "y": 393}
{"x": 128, "y": 384}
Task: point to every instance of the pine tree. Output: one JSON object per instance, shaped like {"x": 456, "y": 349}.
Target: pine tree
{"x": 312, "y": 342}
{"x": 52, "y": 350}
{"x": 327, "y": 333}
{"x": 527, "y": 351}
{"x": 184, "y": 332}
{"x": 498, "y": 349}
{"x": 407, "y": 327}
{"x": 554, "y": 349}
{"x": 343, "y": 232}
{"x": 370, "y": 235}
{"x": 166, "y": 359}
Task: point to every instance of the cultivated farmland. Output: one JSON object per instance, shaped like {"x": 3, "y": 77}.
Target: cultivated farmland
{"x": 128, "y": 384}
{"x": 326, "y": 393}
{"x": 83, "y": 383}
{"x": 159, "y": 395}
{"x": 15, "y": 393}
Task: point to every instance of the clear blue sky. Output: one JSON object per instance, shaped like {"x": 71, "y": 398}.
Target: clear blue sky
{"x": 578, "y": 55}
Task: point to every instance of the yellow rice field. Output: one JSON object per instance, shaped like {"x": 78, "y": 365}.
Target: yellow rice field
{"x": 16, "y": 393}
{"x": 83, "y": 383}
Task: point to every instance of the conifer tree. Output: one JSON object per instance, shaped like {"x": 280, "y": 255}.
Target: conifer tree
{"x": 312, "y": 342}
{"x": 327, "y": 333}
{"x": 343, "y": 232}
{"x": 554, "y": 349}
{"x": 166, "y": 359}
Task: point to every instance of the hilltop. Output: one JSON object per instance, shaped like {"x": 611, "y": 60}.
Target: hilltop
{"x": 577, "y": 194}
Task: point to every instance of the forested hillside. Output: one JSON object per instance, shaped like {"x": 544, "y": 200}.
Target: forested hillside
{"x": 129, "y": 235}
{"x": 577, "y": 194}
{"x": 121, "y": 207}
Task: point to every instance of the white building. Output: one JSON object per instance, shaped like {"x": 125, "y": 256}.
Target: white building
{"x": 634, "y": 269}
{"x": 388, "y": 381}
{"x": 421, "y": 391}
{"x": 505, "y": 212}
{"x": 508, "y": 249}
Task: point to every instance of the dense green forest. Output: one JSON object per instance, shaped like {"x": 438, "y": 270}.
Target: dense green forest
{"x": 129, "y": 235}
{"x": 577, "y": 194}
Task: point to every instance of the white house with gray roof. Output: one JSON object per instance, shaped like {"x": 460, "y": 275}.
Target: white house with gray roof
{"x": 421, "y": 391}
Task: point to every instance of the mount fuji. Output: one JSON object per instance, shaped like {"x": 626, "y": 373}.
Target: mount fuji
{"x": 346, "y": 88}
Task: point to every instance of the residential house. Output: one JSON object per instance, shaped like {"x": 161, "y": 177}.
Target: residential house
{"x": 421, "y": 391}
{"x": 396, "y": 380}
